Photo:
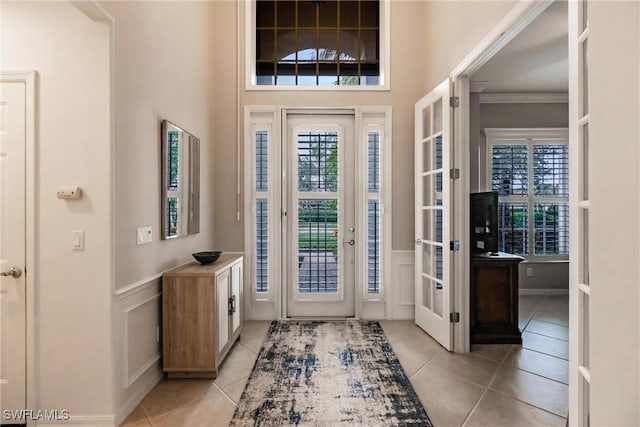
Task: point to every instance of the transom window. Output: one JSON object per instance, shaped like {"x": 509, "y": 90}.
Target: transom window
{"x": 530, "y": 172}
{"x": 317, "y": 42}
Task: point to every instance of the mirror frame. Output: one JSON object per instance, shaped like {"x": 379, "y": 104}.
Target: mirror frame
{"x": 188, "y": 186}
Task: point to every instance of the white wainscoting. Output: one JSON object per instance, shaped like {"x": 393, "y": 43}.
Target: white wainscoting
{"x": 138, "y": 351}
{"x": 402, "y": 285}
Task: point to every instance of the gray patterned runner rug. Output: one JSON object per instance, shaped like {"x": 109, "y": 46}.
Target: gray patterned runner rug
{"x": 328, "y": 373}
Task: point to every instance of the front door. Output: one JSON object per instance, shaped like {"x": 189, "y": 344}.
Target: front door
{"x": 433, "y": 294}
{"x": 12, "y": 251}
{"x": 319, "y": 202}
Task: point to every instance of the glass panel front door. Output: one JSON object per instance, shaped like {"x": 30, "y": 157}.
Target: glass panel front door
{"x": 320, "y": 219}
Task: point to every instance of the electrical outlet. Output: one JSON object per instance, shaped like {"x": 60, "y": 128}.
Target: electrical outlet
{"x": 529, "y": 272}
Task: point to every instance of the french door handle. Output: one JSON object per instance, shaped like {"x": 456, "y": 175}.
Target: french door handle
{"x": 349, "y": 242}
{"x": 14, "y": 272}
{"x": 418, "y": 242}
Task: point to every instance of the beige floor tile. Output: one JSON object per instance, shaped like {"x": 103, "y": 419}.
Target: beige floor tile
{"x": 546, "y": 345}
{"x": 540, "y": 364}
{"x": 496, "y": 410}
{"x": 213, "y": 409}
{"x": 236, "y": 365}
{"x": 538, "y": 391}
{"x": 495, "y": 352}
{"x": 171, "y": 394}
{"x": 234, "y": 390}
{"x": 138, "y": 418}
{"x": 411, "y": 344}
{"x": 253, "y": 334}
{"x": 467, "y": 366}
{"x": 447, "y": 398}
{"x": 548, "y": 329}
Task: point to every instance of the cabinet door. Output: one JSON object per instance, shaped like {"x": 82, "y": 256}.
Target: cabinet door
{"x": 236, "y": 295}
{"x": 222, "y": 304}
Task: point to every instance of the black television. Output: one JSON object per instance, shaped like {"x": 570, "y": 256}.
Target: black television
{"x": 484, "y": 222}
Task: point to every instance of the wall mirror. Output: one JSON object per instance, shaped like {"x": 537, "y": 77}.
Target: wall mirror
{"x": 180, "y": 182}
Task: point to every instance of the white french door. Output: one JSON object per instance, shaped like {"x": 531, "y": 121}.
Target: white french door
{"x": 12, "y": 250}
{"x": 319, "y": 201}
{"x": 433, "y": 284}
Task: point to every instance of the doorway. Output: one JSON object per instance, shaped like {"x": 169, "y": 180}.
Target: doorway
{"x": 318, "y": 209}
{"x": 16, "y": 310}
{"x": 319, "y": 222}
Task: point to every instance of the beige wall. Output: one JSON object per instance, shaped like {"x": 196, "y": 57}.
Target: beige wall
{"x": 163, "y": 70}
{"x": 73, "y": 353}
{"x": 453, "y": 29}
{"x": 407, "y": 86}
{"x": 614, "y": 221}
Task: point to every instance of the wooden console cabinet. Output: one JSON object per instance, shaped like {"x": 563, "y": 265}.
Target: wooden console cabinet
{"x": 200, "y": 316}
{"x": 494, "y": 299}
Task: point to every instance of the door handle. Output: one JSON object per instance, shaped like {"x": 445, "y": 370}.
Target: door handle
{"x": 349, "y": 242}
{"x": 232, "y": 305}
{"x": 14, "y": 272}
{"x": 418, "y": 242}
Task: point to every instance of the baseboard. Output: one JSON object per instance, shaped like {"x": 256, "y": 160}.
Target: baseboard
{"x": 134, "y": 401}
{"x": 543, "y": 292}
{"x": 83, "y": 420}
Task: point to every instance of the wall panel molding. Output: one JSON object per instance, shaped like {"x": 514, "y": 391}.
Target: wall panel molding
{"x": 403, "y": 288}
{"x": 133, "y": 373}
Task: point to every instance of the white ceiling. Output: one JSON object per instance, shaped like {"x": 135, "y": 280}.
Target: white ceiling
{"x": 536, "y": 60}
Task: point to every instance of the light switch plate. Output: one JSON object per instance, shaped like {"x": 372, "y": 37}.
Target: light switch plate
{"x": 77, "y": 240}
{"x": 143, "y": 235}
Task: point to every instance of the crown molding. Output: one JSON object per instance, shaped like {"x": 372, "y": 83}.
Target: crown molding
{"x": 524, "y": 98}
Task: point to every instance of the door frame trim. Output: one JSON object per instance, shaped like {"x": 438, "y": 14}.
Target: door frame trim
{"x": 516, "y": 20}
{"x": 284, "y": 161}
{"x": 30, "y": 80}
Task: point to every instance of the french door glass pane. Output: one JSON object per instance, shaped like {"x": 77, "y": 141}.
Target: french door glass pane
{"x": 438, "y": 156}
{"x": 317, "y": 161}
{"x": 262, "y": 246}
{"x": 426, "y": 292}
{"x": 551, "y": 228}
{"x": 318, "y": 255}
{"x": 514, "y": 224}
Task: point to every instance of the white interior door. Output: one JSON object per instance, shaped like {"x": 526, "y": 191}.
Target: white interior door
{"x": 433, "y": 294}
{"x": 320, "y": 222}
{"x": 12, "y": 250}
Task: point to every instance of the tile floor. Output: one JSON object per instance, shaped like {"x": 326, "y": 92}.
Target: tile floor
{"x": 494, "y": 385}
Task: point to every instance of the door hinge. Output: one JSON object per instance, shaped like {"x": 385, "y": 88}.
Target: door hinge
{"x": 454, "y": 317}
{"x": 454, "y": 245}
{"x": 454, "y": 173}
{"x": 454, "y": 101}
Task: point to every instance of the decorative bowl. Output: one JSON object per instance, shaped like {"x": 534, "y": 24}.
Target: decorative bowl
{"x": 207, "y": 257}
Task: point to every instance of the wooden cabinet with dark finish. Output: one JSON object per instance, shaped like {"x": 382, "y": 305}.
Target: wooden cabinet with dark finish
{"x": 200, "y": 316}
{"x": 494, "y": 299}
